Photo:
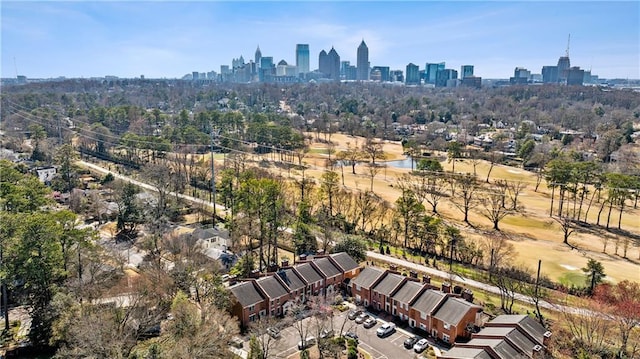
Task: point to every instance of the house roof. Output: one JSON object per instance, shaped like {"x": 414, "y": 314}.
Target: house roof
{"x": 291, "y": 279}
{"x": 527, "y": 324}
{"x": 246, "y": 293}
{"x": 466, "y": 353}
{"x": 453, "y": 310}
{"x": 272, "y": 287}
{"x": 502, "y": 348}
{"x": 368, "y": 277}
{"x": 428, "y": 301}
{"x": 326, "y": 267}
{"x": 208, "y": 233}
{"x": 388, "y": 283}
{"x": 408, "y": 290}
{"x": 344, "y": 261}
{"x": 308, "y": 273}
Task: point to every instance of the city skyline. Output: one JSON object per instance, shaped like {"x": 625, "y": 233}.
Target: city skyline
{"x": 166, "y": 39}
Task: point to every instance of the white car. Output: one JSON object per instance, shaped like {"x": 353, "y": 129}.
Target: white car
{"x": 386, "y": 329}
{"x": 420, "y": 346}
{"x": 311, "y": 341}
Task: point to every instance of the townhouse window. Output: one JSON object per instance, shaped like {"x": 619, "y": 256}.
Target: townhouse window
{"x": 445, "y": 338}
{"x": 263, "y": 313}
{"x": 252, "y": 308}
{"x": 422, "y": 326}
{"x": 252, "y": 318}
{"x": 278, "y": 301}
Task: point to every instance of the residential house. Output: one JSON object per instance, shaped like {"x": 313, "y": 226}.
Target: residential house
{"x": 313, "y": 279}
{"x": 46, "y": 174}
{"x": 349, "y": 267}
{"x": 330, "y": 272}
{"x": 454, "y": 319}
{"x": 381, "y": 292}
{"x": 422, "y": 308}
{"x": 465, "y": 353}
{"x": 362, "y": 284}
{"x": 496, "y": 348}
{"x": 533, "y": 330}
{"x": 403, "y": 296}
{"x": 277, "y": 295}
{"x": 294, "y": 281}
{"x": 250, "y": 302}
{"x": 513, "y": 337}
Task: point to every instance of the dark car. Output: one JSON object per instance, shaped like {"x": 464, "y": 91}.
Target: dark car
{"x": 351, "y": 335}
{"x": 411, "y": 341}
{"x": 354, "y": 314}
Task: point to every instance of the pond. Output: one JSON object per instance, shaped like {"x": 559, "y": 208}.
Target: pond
{"x": 404, "y": 163}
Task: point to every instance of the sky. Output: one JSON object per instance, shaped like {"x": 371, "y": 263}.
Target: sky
{"x": 168, "y": 39}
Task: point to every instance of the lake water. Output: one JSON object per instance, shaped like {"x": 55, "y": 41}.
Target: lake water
{"x": 404, "y": 163}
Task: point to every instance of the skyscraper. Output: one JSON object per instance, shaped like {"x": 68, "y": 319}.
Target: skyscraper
{"x": 258, "y": 56}
{"x": 466, "y": 71}
{"x": 413, "y": 75}
{"x": 563, "y": 68}
{"x": 302, "y": 58}
{"x": 431, "y": 70}
{"x": 323, "y": 66}
{"x": 363, "y": 62}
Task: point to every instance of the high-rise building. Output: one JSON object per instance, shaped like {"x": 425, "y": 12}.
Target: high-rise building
{"x": 323, "y": 66}
{"x": 258, "y": 57}
{"x": 444, "y": 78}
{"x": 384, "y": 72}
{"x": 347, "y": 71}
{"x": 550, "y": 74}
{"x": 363, "y": 62}
{"x": 466, "y": 71}
{"x": 396, "y": 76}
{"x": 333, "y": 62}
{"x": 412, "y": 75}
{"x": 472, "y": 81}
{"x": 575, "y": 76}
{"x": 431, "y": 70}
{"x": 520, "y": 76}
{"x": 563, "y": 68}
{"x": 302, "y": 58}
{"x": 267, "y": 69}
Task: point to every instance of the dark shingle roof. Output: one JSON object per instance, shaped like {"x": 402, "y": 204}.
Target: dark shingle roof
{"x": 291, "y": 279}
{"x": 272, "y": 287}
{"x": 407, "y": 291}
{"x": 246, "y": 293}
{"x": 428, "y": 301}
{"x": 388, "y": 283}
{"x": 525, "y": 322}
{"x": 503, "y": 349}
{"x": 308, "y": 273}
{"x": 367, "y": 277}
{"x": 328, "y": 269}
{"x": 519, "y": 340}
{"x": 345, "y": 261}
{"x": 453, "y": 310}
{"x": 466, "y": 353}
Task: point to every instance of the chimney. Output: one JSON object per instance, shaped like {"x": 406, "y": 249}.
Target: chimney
{"x": 457, "y": 289}
{"x": 303, "y": 257}
{"x": 413, "y": 274}
{"x": 467, "y": 294}
{"x": 254, "y": 274}
{"x": 284, "y": 263}
{"x": 446, "y": 287}
{"x": 426, "y": 279}
{"x": 393, "y": 267}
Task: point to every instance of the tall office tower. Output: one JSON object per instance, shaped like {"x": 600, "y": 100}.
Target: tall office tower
{"x": 413, "y": 75}
{"x": 431, "y": 70}
{"x": 267, "y": 69}
{"x": 258, "y": 57}
{"x": 549, "y": 74}
{"x": 563, "y": 68}
{"x": 445, "y": 77}
{"x": 333, "y": 62}
{"x": 575, "y": 76}
{"x": 384, "y": 72}
{"x": 302, "y": 58}
{"x": 466, "y": 71}
{"x": 363, "y": 62}
{"x": 323, "y": 67}
{"x": 347, "y": 71}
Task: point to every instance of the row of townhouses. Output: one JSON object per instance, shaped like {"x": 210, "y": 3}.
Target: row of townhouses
{"x": 505, "y": 337}
{"x": 441, "y": 314}
{"x": 275, "y": 293}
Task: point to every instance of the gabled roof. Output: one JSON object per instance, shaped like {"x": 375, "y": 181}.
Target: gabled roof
{"x": 326, "y": 267}
{"x": 516, "y": 338}
{"x": 453, "y": 310}
{"x": 246, "y": 293}
{"x": 527, "y": 324}
{"x": 388, "y": 283}
{"x": 272, "y": 287}
{"x": 344, "y": 261}
{"x": 368, "y": 277}
{"x": 503, "y": 349}
{"x": 466, "y": 353}
{"x": 408, "y": 290}
{"x": 307, "y": 272}
{"x": 428, "y": 301}
{"x": 291, "y": 279}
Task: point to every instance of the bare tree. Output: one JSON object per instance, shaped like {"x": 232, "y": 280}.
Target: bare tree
{"x": 493, "y": 206}
{"x": 466, "y": 200}
{"x": 269, "y": 345}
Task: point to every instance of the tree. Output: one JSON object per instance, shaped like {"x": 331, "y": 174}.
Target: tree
{"x": 407, "y": 210}
{"x": 261, "y": 344}
{"x": 355, "y": 247}
{"x": 567, "y": 226}
{"x": 510, "y": 281}
{"x": 624, "y": 300}
{"x": 66, "y": 157}
{"x": 594, "y": 272}
{"x": 328, "y": 187}
{"x": 466, "y": 200}
{"x": 350, "y": 156}
{"x": 454, "y": 150}
{"x": 526, "y": 150}
{"x": 129, "y": 211}
{"x": 493, "y": 207}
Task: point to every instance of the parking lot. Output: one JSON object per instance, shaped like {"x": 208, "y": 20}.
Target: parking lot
{"x": 390, "y": 347}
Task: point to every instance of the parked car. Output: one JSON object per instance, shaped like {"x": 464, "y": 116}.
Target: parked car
{"x": 273, "y": 332}
{"x": 351, "y": 335}
{"x": 420, "y": 346}
{"x": 311, "y": 341}
{"x": 236, "y": 342}
{"x": 326, "y": 333}
{"x": 361, "y": 318}
{"x": 354, "y": 314}
{"x": 411, "y": 341}
{"x": 386, "y": 329}
{"x": 370, "y": 323}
